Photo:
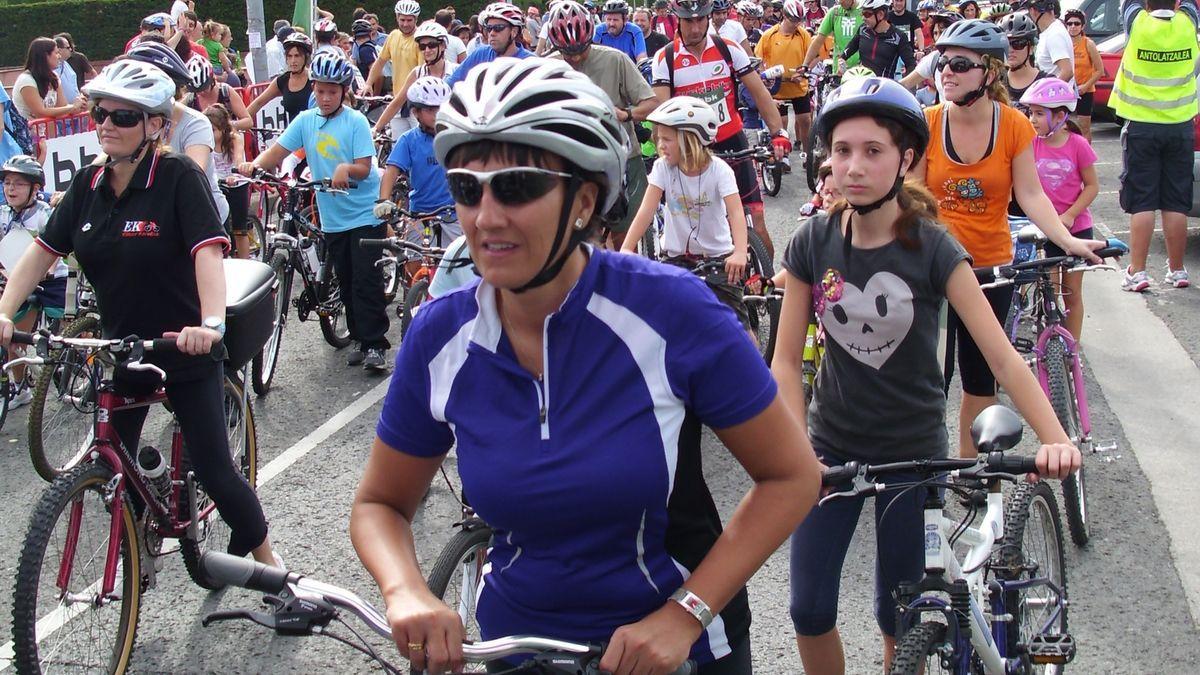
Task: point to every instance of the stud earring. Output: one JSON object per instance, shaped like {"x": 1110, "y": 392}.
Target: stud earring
{"x": 579, "y": 223}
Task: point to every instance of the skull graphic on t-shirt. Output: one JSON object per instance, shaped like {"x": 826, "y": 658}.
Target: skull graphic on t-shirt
{"x": 868, "y": 323}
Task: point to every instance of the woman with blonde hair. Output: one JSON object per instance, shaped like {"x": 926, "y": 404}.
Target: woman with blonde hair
{"x": 980, "y": 156}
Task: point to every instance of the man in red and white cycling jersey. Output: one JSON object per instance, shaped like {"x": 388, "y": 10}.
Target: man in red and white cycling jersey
{"x": 710, "y": 71}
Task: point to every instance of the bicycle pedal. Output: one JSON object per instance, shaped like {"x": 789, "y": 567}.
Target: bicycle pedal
{"x": 1051, "y": 649}
{"x": 1106, "y": 446}
{"x": 1023, "y": 344}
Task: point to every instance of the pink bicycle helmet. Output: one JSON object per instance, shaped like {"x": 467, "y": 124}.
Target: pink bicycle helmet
{"x": 570, "y": 27}
{"x": 1051, "y": 92}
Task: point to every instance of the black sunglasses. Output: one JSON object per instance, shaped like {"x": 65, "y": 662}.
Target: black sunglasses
{"x": 496, "y": 27}
{"x": 1020, "y": 44}
{"x": 511, "y": 187}
{"x": 1074, "y": 23}
{"x": 428, "y": 45}
{"x": 126, "y": 119}
{"x": 958, "y": 64}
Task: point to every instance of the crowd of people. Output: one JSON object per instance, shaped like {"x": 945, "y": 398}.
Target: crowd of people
{"x": 945, "y": 123}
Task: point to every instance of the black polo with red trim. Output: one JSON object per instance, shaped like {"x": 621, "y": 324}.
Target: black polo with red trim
{"x": 137, "y": 248}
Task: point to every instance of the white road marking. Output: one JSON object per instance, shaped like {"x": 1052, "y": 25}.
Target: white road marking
{"x": 50, "y": 623}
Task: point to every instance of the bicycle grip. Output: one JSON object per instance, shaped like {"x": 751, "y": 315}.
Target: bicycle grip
{"x": 169, "y": 345}
{"x": 836, "y": 475}
{"x": 1013, "y": 464}
{"x": 19, "y": 338}
{"x": 1111, "y": 252}
{"x": 244, "y": 572}
{"x": 374, "y": 243}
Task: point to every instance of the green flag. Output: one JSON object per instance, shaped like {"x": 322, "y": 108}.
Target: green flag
{"x": 303, "y": 16}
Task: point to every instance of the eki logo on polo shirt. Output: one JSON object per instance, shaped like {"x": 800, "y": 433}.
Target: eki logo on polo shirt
{"x": 140, "y": 228}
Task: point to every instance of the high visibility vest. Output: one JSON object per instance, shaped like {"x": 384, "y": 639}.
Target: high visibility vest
{"x": 1156, "y": 81}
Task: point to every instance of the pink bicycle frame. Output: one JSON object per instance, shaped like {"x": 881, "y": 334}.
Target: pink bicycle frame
{"x": 1057, "y": 331}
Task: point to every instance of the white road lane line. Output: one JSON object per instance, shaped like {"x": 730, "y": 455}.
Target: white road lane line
{"x": 50, "y": 623}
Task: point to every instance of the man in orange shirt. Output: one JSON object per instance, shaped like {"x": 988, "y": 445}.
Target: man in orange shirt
{"x": 785, "y": 44}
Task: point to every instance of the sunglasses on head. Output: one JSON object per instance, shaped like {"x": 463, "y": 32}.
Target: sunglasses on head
{"x": 126, "y": 119}
{"x": 958, "y": 64}
{"x": 428, "y": 45}
{"x": 496, "y": 27}
{"x": 511, "y": 187}
{"x": 1020, "y": 44}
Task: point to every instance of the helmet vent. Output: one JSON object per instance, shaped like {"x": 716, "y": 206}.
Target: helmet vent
{"x": 536, "y": 101}
{"x": 578, "y": 133}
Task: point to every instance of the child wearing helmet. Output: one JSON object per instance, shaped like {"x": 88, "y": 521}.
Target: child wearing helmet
{"x": 21, "y": 209}
{"x": 337, "y": 145}
{"x": 1066, "y": 165}
{"x": 413, "y": 155}
{"x": 875, "y": 270}
{"x": 703, "y": 219}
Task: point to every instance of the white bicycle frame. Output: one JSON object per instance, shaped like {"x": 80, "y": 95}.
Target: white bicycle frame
{"x": 941, "y": 561}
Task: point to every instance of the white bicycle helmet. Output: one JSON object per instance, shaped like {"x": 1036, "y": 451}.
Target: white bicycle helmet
{"x": 200, "y": 72}
{"x": 876, "y": 5}
{"x": 688, "y": 113}
{"x": 538, "y": 102}
{"x": 793, "y": 9}
{"x": 431, "y": 29}
{"x": 408, "y": 8}
{"x": 134, "y": 82}
{"x": 324, "y": 26}
{"x": 428, "y": 92}
{"x": 570, "y": 26}
{"x": 503, "y": 11}
{"x": 749, "y": 8}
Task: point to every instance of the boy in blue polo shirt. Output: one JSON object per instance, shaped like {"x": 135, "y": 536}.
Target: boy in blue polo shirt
{"x": 337, "y": 144}
{"x": 413, "y": 155}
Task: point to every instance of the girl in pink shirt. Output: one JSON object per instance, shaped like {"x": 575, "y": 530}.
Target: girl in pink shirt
{"x": 1066, "y": 166}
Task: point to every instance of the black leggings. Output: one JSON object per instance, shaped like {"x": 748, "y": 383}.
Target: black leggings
{"x": 199, "y": 406}
{"x": 239, "y": 208}
{"x": 737, "y": 662}
{"x": 977, "y": 378}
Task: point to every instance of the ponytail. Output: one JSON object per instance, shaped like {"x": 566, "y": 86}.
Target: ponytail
{"x": 917, "y": 204}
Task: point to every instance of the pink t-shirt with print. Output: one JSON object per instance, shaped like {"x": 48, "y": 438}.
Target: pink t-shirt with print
{"x": 1060, "y": 170}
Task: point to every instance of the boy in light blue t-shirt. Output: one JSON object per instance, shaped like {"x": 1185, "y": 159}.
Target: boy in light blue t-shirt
{"x": 337, "y": 144}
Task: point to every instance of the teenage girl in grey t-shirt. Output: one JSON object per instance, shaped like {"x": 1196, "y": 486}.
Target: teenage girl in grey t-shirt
{"x": 875, "y": 271}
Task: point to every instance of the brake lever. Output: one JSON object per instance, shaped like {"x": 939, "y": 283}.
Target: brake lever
{"x": 859, "y": 486}
{"x": 260, "y": 618}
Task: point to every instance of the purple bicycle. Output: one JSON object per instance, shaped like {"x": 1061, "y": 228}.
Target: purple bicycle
{"x": 1053, "y": 352}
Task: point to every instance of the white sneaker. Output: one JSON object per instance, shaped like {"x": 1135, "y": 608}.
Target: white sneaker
{"x": 1136, "y": 282}
{"x": 25, "y": 396}
{"x": 1176, "y": 278}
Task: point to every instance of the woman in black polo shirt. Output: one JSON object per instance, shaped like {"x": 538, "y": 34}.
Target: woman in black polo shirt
{"x": 146, "y": 233}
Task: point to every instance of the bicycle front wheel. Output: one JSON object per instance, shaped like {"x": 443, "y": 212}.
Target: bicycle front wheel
{"x": 257, "y": 236}
{"x": 413, "y": 299}
{"x": 64, "y": 404}
{"x": 1032, "y": 552}
{"x": 457, "y": 574}
{"x": 212, "y": 534}
{"x": 771, "y": 174}
{"x": 262, "y": 367}
{"x": 1061, "y": 381}
{"x": 61, "y": 620}
{"x": 919, "y": 650}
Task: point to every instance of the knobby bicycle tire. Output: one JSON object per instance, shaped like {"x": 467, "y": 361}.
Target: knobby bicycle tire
{"x": 333, "y": 323}
{"x": 647, "y": 246}
{"x": 58, "y": 436}
{"x": 1060, "y": 381}
{"x": 760, "y": 261}
{"x": 917, "y": 651}
{"x": 5, "y": 389}
{"x": 239, "y": 423}
{"x": 772, "y": 308}
{"x": 413, "y": 299}
{"x": 1031, "y": 521}
{"x": 266, "y": 361}
{"x": 813, "y": 160}
{"x": 391, "y": 278}
{"x": 258, "y": 239}
{"x": 70, "y": 641}
{"x": 466, "y": 550}
{"x": 771, "y": 174}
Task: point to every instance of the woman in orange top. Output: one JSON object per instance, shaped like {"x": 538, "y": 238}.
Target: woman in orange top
{"x": 980, "y": 155}
{"x": 1089, "y": 68}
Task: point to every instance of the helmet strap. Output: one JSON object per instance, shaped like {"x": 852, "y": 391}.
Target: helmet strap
{"x": 574, "y": 238}
{"x": 1055, "y": 126}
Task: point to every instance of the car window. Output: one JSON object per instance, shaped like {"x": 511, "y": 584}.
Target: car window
{"x": 1103, "y": 17}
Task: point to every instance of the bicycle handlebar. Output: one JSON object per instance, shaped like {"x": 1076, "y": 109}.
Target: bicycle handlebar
{"x": 246, "y": 573}
{"x": 322, "y": 185}
{"x": 1005, "y": 275}
{"x": 435, "y": 214}
{"x": 396, "y": 244}
{"x": 862, "y": 477}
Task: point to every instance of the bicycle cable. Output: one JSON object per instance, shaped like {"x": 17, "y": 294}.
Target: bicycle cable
{"x": 364, "y": 648}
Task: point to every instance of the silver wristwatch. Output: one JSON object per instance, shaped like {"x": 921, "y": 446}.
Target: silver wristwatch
{"x": 692, "y": 603}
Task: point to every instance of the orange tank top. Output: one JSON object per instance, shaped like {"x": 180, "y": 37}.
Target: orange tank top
{"x": 1083, "y": 63}
{"x": 973, "y": 198}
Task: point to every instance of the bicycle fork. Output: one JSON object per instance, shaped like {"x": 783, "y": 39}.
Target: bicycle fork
{"x": 114, "y": 492}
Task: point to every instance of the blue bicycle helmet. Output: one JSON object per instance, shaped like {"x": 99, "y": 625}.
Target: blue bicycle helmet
{"x": 165, "y": 58}
{"x": 328, "y": 67}
{"x": 721, "y": 5}
{"x": 874, "y": 97}
{"x": 646, "y": 68}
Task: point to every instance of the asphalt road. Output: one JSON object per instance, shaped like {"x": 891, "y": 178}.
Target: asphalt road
{"x": 1128, "y": 608}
